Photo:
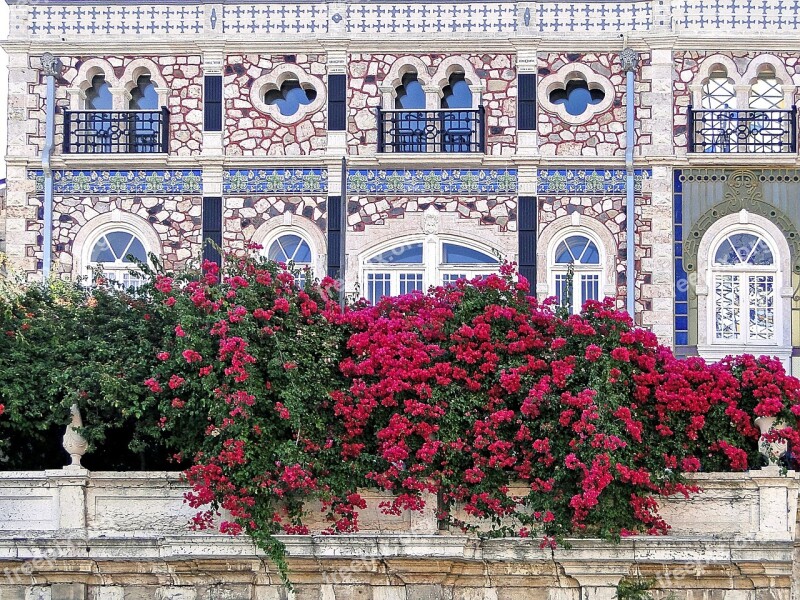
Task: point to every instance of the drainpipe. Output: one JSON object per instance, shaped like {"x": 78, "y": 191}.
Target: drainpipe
{"x": 629, "y": 59}
{"x": 51, "y": 66}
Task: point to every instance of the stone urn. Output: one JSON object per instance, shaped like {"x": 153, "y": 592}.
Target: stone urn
{"x": 771, "y": 450}
{"x": 73, "y": 442}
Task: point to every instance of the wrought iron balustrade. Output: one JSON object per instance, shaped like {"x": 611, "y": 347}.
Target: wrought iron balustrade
{"x": 446, "y": 130}
{"x": 116, "y": 131}
{"x": 729, "y": 130}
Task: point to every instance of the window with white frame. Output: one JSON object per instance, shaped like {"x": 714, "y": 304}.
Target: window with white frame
{"x": 416, "y": 266}
{"x": 766, "y": 92}
{"x": 576, "y": 271}
{"x": 718, "y": 92}
{"x": 295, "y": 252}
{"x": 743, "y": 287}
{"x": 114, "y": 254}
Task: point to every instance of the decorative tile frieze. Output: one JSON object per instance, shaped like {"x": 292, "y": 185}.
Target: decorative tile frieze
{"x": 422, "y": 17}
{"x": 275, "y": 181}
{"x": 76, "y": 19}
{"x": 591, "y": 16}
{"x": 284, "y": 18}
{"x": 588, "y": 181}
{"x": 432, "y": 181}
{"x": 736, "y": 15}
{"x": 122, "y": 182}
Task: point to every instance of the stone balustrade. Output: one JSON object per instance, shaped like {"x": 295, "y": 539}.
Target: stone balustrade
{"x": 74, "y": 535}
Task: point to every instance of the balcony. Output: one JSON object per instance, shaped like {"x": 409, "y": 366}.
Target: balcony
{"x": 756, "y": 131}
{"x": 424, "y": 131}
{"x": 116, "y": 132}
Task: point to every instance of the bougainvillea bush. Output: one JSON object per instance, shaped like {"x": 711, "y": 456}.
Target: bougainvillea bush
{"x": 509, "y": 412}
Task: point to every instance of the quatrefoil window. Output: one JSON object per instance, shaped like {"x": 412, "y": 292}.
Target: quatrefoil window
{"x": 290, "y": 96}
{"x": 575, "y": 93}
{"x": 577, "y": 96}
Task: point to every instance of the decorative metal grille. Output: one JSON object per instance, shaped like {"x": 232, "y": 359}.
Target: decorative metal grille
{"x": 431, "y": 130}
{"x": 769, "y": 131}
{"x": 116, "y": 132}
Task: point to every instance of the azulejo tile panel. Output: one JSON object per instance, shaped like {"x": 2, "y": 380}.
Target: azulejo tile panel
{"x": 736, "y": 15}
{"x": 275, "y": 181}
{"x": 422, "y": 17}
{"x": 591, "y": 16}
{"x": 589, "y": 181}
{"x": 432, "y": 181}
{"x": 283, "y": 18}
{"x": 122, "y": 182}
{"x": 135, "y": 20}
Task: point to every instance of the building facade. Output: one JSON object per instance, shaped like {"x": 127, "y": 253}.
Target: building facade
{"x": 404, "y": 144}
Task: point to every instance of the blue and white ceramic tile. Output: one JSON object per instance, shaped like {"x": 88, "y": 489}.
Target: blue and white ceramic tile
{"x": 134, "y": 19}
{"x": 588, "y": 181}
{"x": 422, "y": 17}
{"x": 432, "y": 181}
{"x": 122, "y": 182}
{"x": 281, "y": 18}
{"x": 275, "y": 181}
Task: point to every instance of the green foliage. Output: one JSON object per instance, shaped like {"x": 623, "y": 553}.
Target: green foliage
{"x": 635, "y": 589}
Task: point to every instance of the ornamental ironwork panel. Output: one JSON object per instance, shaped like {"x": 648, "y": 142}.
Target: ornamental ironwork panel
{"x": 726, "y": 131}
{"x": 420, "y": 131}
{"x": 116, "y": 131}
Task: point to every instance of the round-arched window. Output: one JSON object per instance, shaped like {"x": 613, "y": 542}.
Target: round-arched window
{"x": 416, "y": 266}
{"x": 115, "y": 253}
{"x": 744, "y": 273}
{"x": 718, "y": 92}
{"x": 576, "y": 271}
{"x": 293, "y": 251}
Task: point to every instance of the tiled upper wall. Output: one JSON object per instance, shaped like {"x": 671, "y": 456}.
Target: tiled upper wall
{"x": 64, "y": 19}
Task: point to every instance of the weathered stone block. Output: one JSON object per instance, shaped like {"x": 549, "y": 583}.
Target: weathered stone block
{"x": 68, "y": 591}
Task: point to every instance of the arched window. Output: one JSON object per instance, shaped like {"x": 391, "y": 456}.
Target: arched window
{"x": 146, "y": 128}
{"x": 743, "y": 287}
{"x": 409, "y": 130}
{"x": 416, "y": 266}
{"x": 457, "y": 124}
{"x": 718, "y": 92}
{"x": 766, "y": 92}
{"x": 575, "y": 271}
{"x": 98, "y": 96}
{"x": 114, "y": 253}
{"x": 295, "y": 252}
{"x": 409, "y": 94}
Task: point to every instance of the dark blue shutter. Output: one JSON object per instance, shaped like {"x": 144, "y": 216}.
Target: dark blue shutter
{"x": 212, "y": 103}
{"x": 334, "y": 235}
{"x": 212, "y": 228}
{"x": 526, "y": 94}
{"x": 526, "y": 228}
{"x": 337, "y": 104}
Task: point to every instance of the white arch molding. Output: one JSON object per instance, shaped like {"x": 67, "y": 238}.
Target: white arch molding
{"x": 744, "y": 221}
{"x": 575, "y": 224}
{"x": 298, "y": 225}
{"x": 116, "y": 220}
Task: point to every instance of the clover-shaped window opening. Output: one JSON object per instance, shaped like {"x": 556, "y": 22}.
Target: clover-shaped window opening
{"x": 576, "y": 96}
{"x": 144, "y": 95}
{"x": 718, "y": 92}
{"x": 98, "y": 97}
{"x": 294, "y": 251}
{"x": 290, "y": 96}
{"x": 766, "y": 92}
{"x": 457, "y": 93}
{"x": 409, "y": 94}
{"x": 145, "y": 136}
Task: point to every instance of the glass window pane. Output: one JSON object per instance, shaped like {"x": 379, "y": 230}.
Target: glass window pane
{"x": 408, "y": 254}
{"x": 590, "y": 287}
{"x": 144, "y": 96}
{"x": 102, "y": 251}
{"x": 410, "y": 282}
{"x": 449, "y": 278}
{"x": 563, "y": 291}
{"x": 136, "y": 249}
{"x": 761, "y": 254}
{"x": 457, "y": 94}
{"x": 282, "y": 249}
{"x": 98, "y": 97}
{"x": 563, "y": 255}
{"x": 119, "y": 241}
{"x": 727, "y": 307}
{"x": 461, "y": 255}
{"x": 378, "y": 286}
{"x": 762, "y": 307}
{"x": 410, "y": 94}
{"x": 718, "y": 92}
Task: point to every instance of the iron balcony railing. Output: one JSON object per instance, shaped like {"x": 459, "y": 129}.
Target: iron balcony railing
{"x": 728, "y": 130}
{"x": 446, "y": 130}
{"x": 116, "y": 131}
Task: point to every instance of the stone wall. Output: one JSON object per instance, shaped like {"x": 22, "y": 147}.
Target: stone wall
{"x": 249, "y": 131}
{"x": 244, "y": 217}
{"x": 123, "y": 536}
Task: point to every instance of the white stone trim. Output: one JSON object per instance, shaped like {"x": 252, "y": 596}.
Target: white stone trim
{"x": 116, "y": 220}
{"x": 274, "y": 80}
{"x": 704, "y": 72}
{"x": 459, "y": 64}
{"x": 781, "y": 74}
{"x": 564, "y": 75}
{"x": 564, "y": 227}
{"x": 83, "y": 81}
{"x": 394, "y": 78}
{"x": 298, "y": 225}
{"x": 751, "y": 222}
{"x": 144, "y": 66}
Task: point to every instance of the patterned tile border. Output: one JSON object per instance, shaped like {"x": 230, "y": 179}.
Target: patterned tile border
{"x": 588, "y": 181}
{"x": 275, "y": 181}
{"x": 122, "y": 182}
{"x": 432, "y": 181}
